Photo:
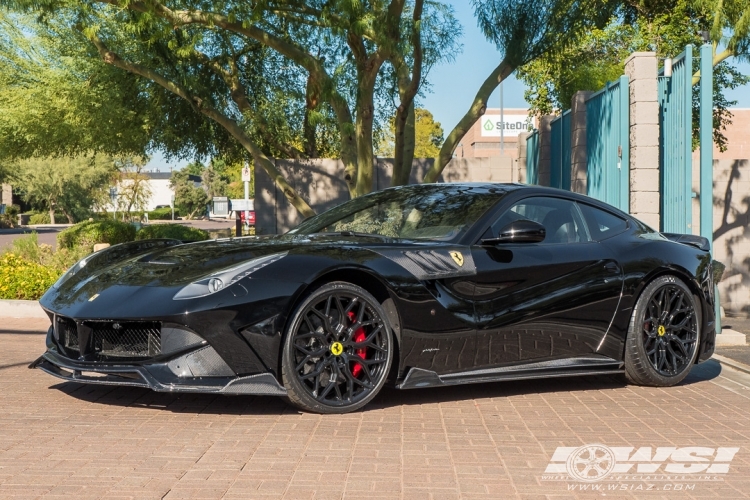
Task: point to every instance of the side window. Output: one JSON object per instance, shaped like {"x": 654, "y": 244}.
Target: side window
{"x": 561, "y": 219}
{"x": 602, "y": 224}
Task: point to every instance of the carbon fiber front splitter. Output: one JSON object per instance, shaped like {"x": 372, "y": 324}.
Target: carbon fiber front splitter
{"x": 158, "y": 377}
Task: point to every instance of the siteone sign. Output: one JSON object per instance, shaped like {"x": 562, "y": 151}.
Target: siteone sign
{"x": 511, "y": 125}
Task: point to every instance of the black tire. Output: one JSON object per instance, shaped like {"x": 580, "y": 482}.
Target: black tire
{"x": 664, "y": 334}
{"x": 334, "y": 366}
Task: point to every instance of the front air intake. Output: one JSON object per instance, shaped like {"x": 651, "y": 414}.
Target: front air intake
{"x": 132, "y": 339}
{"x": 110, "y": 339}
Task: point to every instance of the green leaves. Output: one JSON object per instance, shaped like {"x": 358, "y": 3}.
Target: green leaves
{"x": 191, "y": 199}
{"x": 70, "y": 185}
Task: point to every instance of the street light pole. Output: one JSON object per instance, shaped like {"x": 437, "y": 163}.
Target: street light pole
{"x": 502, "y": 123}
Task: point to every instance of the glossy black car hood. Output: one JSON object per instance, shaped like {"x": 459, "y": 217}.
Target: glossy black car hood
{"x": 179, "y": 265}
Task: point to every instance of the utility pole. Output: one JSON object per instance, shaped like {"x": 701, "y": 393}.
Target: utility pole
{"x": 246, "y": 181}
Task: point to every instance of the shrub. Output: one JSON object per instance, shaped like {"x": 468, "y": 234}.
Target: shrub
{"x": 87, "y": 234}
{"x": 21, "y": 279}
{"x": 42, "y": 218}
{"x": 175, "y": 231}
{"x": 10, "y": 217}
{"x": 28, "y": 248}
{"x": 163, "y": 214}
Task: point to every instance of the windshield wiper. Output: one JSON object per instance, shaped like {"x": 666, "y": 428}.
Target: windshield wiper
{"x": 354, "y": 233}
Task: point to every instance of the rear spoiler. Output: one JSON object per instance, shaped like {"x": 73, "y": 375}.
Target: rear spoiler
{"x": 689, "y": 239}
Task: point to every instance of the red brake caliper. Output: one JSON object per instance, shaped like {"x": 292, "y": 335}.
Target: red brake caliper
{"x": 358, "y": 336}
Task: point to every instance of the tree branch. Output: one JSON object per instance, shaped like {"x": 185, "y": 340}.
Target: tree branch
{"x": 403, "y": 156}
{"x": 477, "y": 109}
{"x": 289, "y": 50}
{"x": 206, "y": 109}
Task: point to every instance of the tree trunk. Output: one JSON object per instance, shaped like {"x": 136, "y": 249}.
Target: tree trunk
{"x": 364, "y": 123}
{"x": 309, "y": 129}
{"x": 68, "y": 216}
{"x": 405, "y": 121}
{"x": 477, "y": 109}
{"x": 51, "y": 203}
{"x": 348, "y": 136}
{"x": 405, "y": 135}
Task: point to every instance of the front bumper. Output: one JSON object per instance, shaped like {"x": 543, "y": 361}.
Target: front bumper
{"x": 160, "y": 377}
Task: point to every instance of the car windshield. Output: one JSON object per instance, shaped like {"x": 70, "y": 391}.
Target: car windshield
{"x": 435, "y": 212}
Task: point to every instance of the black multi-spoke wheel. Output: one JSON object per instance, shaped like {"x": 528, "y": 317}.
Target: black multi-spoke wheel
{"x": 664, "y": 332}
{"x": 337, "y": 351}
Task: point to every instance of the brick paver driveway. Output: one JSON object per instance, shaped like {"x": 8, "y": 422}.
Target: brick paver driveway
{"x": 61, "y": 440}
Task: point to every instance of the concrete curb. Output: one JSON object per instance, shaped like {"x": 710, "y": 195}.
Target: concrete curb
{"x": 731, "y": 337}
{"x": 732, "y": 363}
{"x": 21, "y": 309}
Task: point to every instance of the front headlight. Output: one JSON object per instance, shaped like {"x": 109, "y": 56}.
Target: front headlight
{"x": 223, "y": 279}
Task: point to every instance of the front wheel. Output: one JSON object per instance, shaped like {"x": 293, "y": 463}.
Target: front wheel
{"x": 338, "y": 350}
{"x": 663, "y": 337}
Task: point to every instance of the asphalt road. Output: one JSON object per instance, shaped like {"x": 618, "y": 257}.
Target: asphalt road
{"x": 47, "y": 234}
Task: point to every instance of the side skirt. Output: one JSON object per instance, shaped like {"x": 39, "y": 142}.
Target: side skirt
{"x": 568, "y": 367}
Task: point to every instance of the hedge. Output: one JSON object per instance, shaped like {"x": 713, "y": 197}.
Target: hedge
{"x": 21, "y": 279}
{"x": 43, "y": 218}
{"x": 163, "y": 214}
{"x": 90, "y": 233}
{"x": 175, "y": 231}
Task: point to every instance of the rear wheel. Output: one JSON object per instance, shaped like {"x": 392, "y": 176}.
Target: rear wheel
{"x": 662, "y": 340}
{"x": 338, "y": 350}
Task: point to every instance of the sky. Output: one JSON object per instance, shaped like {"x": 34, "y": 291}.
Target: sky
{"x": 453, "y": 85}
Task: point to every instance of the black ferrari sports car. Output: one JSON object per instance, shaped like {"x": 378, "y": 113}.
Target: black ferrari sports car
{"x": 416, "y": 286}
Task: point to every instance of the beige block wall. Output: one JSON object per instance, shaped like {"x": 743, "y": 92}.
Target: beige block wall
{"x": 320, "y": 183}
{"x": 731, "y": 231}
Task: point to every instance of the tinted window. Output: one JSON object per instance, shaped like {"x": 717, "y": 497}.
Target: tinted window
{"x": 602, "y": 224}
{"x": 414, "y": 212}
{"x": 560, "y": 219}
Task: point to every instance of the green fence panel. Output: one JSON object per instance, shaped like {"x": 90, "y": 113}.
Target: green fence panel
{"x": 675, "y": 94}
{"x": 608, "y": 144}
{"x": 532, "y": 158}
{"x": 560, "y": 152}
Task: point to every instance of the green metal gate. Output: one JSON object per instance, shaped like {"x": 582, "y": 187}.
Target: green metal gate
{"x": 560, "y": 143}
{"x": 675, "y": 94}
{"x": 608, "y": 144}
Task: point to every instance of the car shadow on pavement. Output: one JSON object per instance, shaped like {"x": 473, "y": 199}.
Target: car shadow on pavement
{"x": 388, "y": 398}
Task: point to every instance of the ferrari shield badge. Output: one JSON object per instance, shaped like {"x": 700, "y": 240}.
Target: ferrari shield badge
{"x": 337, "y": 348}
{"x": 458, "y": 258}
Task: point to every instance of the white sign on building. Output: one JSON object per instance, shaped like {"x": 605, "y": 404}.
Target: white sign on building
{"x": 512, "y": 125}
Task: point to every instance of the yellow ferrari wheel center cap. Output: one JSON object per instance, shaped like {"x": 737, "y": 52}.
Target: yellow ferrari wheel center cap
{"x": 661, "y": 330}
{"x": 337, "y": 348}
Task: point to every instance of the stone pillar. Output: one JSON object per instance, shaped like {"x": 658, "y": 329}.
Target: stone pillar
{"x": 578, "y": 156}
{"x": 6, "y": 195}
{"x": 642, "y": 70}
{"x": 545, "y": 149}
{"x": 520, "y": 171}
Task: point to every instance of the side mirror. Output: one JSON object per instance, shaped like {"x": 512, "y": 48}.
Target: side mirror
{"x": 519, "y": 231}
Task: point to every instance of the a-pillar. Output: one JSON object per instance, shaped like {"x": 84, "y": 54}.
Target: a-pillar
{"x": 578, "y": 153}
{"x": 545, "y": 149}
{"x": 642, "y": 70}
